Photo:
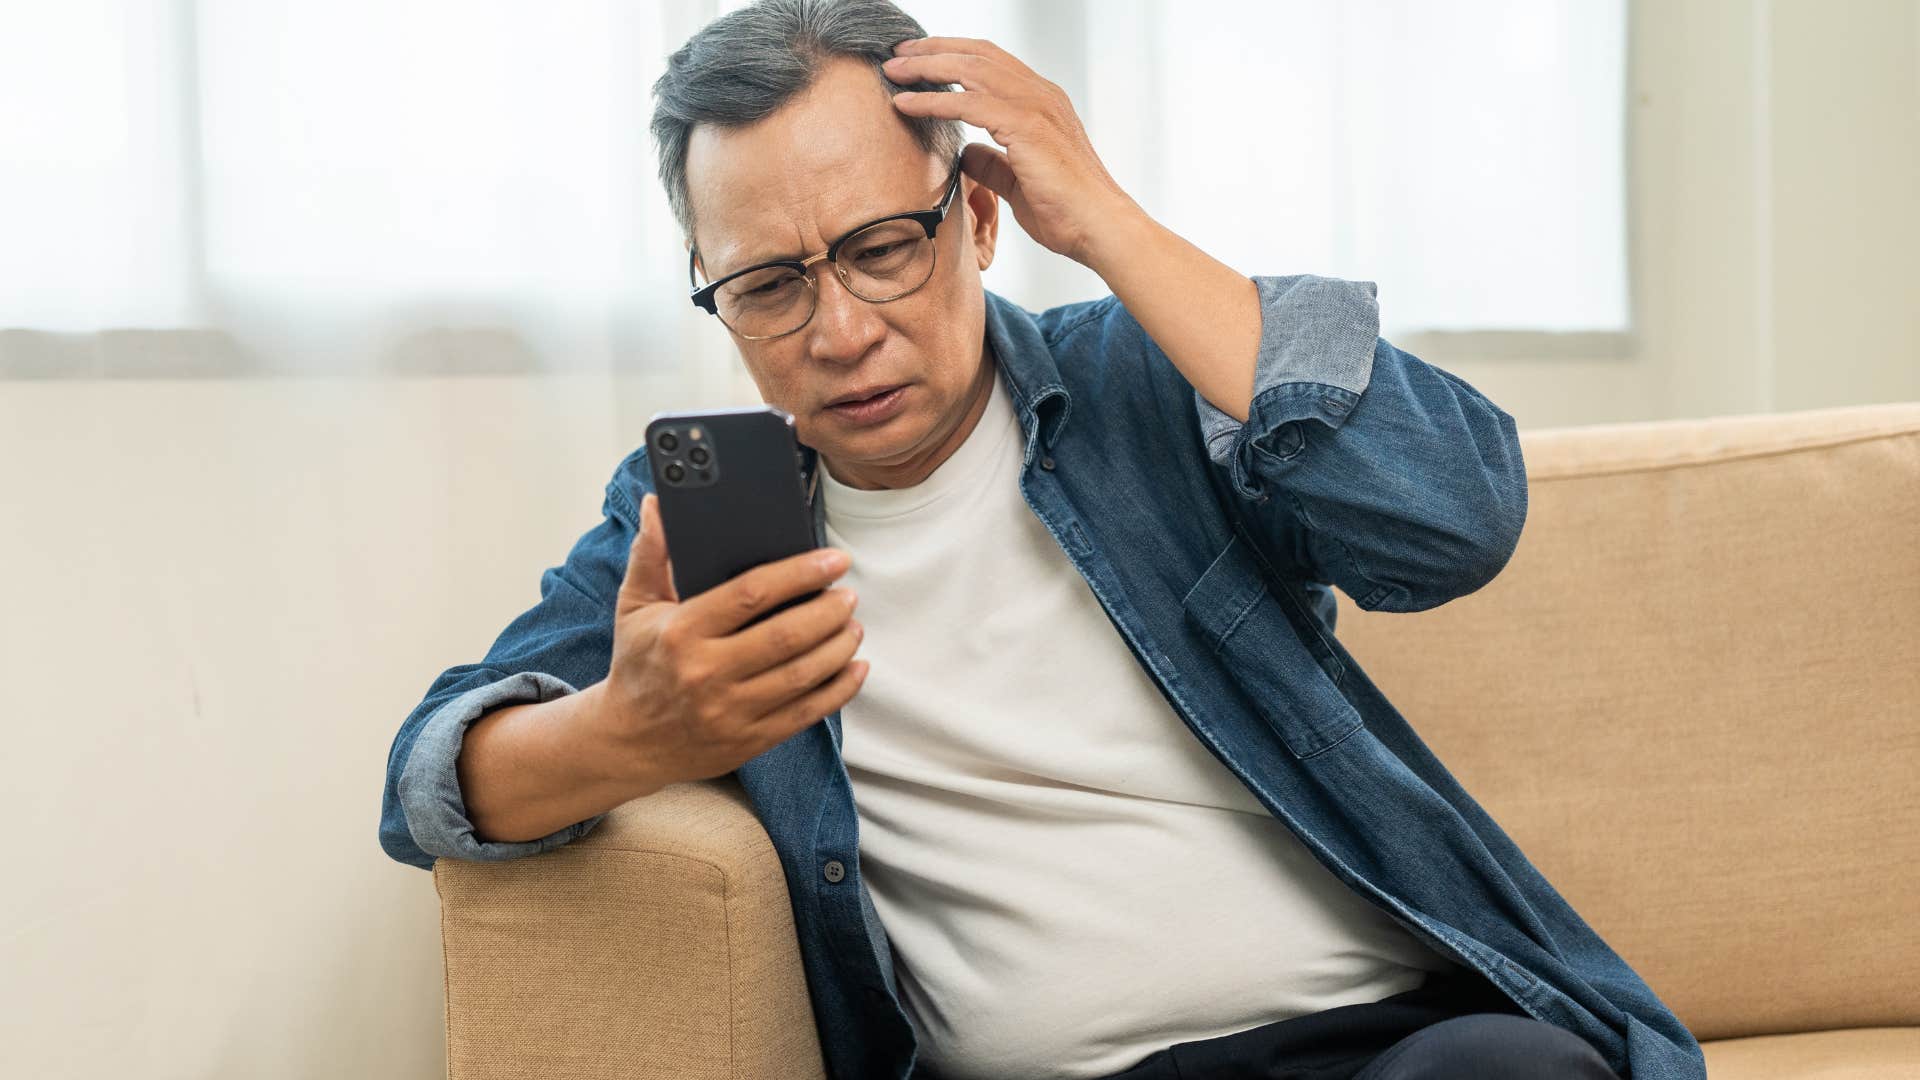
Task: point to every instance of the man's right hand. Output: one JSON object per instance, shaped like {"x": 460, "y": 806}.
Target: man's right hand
{"x": 691, "y": 695}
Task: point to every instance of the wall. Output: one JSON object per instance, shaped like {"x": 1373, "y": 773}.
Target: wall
{"x": 219, "y": 605}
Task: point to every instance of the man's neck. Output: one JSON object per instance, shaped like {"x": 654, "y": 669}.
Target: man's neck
{"x": 913, "y": 471}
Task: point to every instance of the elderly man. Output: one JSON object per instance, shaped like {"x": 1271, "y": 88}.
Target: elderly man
{"x": 1125, "y": 805}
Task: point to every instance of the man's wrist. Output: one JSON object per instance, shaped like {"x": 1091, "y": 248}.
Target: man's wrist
{"x": 598, "y": 745}
{"x": 1126, "y": 236}
{"x": 594, "y": 740}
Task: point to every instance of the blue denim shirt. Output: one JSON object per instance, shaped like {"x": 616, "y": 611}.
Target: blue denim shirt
{"x": 1213, "y": 546}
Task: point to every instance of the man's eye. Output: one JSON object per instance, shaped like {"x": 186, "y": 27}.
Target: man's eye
{"x": 879, "y": 251}
{"x": 769, "y": 287}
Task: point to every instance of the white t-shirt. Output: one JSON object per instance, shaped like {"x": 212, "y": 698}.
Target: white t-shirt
{"x": 1070, "y": 880}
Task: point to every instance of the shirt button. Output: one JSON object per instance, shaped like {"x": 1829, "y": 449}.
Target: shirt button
{"x": 834, "y": 871}
{"x": 1046, "y": 463}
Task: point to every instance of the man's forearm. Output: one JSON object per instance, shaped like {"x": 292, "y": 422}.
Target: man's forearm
{"x": 1202, "y": 313}
{"x": 529, "y": 770}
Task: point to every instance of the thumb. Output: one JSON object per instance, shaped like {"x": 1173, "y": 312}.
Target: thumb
{"x": 649, "y": 572}
{"x": 990, "y": 167}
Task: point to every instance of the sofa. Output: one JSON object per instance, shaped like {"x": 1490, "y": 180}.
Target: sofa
{"x": 1692, "y": 697}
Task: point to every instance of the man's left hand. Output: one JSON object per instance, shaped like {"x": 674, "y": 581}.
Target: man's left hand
{"x": 1059, "y": 191}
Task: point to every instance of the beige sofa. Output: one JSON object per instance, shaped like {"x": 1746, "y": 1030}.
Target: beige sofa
{"x": 1693, "y": 698}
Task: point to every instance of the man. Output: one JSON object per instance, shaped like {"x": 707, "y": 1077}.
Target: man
{"x": 1125, "y": 805}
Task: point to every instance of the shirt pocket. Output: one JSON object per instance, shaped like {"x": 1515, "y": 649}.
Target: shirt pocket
{"x": 1273, "y": 650}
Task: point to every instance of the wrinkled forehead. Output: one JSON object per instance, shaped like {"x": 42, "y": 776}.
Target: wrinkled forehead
{"x": 836, "y": 156}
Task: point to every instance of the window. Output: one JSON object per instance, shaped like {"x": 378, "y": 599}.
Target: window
{"x": 324, "y": 183}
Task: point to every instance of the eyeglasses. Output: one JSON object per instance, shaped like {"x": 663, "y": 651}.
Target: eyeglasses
{"x": 889, "y": 258}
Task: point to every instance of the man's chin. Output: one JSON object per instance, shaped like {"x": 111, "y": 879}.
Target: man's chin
{"x": 883, "y": 444}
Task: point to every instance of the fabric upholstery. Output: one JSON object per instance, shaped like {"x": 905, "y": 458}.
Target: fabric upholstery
{"x": 658, "y": 945}
{"x": 1693, "y": 698}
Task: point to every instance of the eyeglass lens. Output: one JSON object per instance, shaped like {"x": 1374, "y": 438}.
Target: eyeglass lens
{"x": 883, "y": 262}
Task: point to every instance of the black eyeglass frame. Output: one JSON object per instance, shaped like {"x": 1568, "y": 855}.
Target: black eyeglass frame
{"x": 703, "y": 295}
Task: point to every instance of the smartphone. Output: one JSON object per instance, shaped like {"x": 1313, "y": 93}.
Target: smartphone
{"x": 731, "y": 492}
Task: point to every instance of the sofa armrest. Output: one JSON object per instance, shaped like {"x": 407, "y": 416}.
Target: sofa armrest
{"x": 661, "y": 944}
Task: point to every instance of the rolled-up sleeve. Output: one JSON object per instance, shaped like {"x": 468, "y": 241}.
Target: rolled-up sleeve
{"x": 561, "y": 643}
{"x": 1362, "y": 465}
{"x": 429, "y": 784}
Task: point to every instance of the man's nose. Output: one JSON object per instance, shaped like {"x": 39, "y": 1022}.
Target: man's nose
{"x": 844, "y": 327}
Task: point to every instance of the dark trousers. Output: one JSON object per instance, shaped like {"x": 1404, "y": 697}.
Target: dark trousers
{"x": 1454, "y": 1027}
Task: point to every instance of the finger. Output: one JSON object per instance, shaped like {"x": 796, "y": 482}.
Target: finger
{"x": 982, "y": 110}
{"x": 784, "y": 682}
{"x": 971, "y": 72}
{"x": 649, "y": 576}
{"x": 776, "y": 640}
{"x": 783, "y": 722}
{"x": 990, "y": 167}
{"x": 733, "y": 603}
{"x": 972, "y": 46}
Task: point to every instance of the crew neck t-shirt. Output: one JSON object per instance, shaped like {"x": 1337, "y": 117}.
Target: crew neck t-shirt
{"x": 1068, "y": 877}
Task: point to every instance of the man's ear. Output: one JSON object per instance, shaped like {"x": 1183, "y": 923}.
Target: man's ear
{"x": 983, "y": 210}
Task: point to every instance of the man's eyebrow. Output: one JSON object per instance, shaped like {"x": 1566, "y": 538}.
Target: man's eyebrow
{"x": 784, "y": 256}
{"x": 797, "y": 256}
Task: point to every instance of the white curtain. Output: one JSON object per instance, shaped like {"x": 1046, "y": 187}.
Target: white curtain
{"x": 359, "y": 186}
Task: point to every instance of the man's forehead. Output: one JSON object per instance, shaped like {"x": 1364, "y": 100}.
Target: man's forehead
{"x": 837, "y": 155}
{"x": 754, "y": 209}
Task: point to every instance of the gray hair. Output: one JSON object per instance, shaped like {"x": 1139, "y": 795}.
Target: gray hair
{"x": 744, "y": 65}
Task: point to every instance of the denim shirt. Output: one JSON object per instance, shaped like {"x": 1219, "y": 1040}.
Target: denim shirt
{"x": 1213, "y": 546}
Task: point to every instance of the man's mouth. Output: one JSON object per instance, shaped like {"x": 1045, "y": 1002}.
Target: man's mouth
{"x": 874, "y": 406}
{"x": 867, "y": 394}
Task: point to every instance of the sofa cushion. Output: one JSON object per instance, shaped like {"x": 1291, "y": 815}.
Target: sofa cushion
{"x": 1693, "y": 700}
{"x": 1861, "y": 1054}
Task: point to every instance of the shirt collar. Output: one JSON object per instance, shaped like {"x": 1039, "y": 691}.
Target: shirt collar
{"x": 1040, "y": 399}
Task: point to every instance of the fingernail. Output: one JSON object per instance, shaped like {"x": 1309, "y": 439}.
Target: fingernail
{"x": 833, "y": 561}
{"x": 849, "y": 598}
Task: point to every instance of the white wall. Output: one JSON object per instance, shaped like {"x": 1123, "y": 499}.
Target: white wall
{"x": 1844, "y": 157}
{"x": 222, "y": 595}
{"x": 221, "y": 598}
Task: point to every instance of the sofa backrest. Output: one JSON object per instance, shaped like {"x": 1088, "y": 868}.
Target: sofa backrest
{"x": 1693, "y": 699}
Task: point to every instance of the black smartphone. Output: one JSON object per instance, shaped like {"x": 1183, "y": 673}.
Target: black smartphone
{"x": 731, "y": 493}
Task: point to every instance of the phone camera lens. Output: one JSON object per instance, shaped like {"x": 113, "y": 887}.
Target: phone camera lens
{"x": 697, "y": 455}
{"x": 668, "y": 440}
{"x": 675, "y": 473}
